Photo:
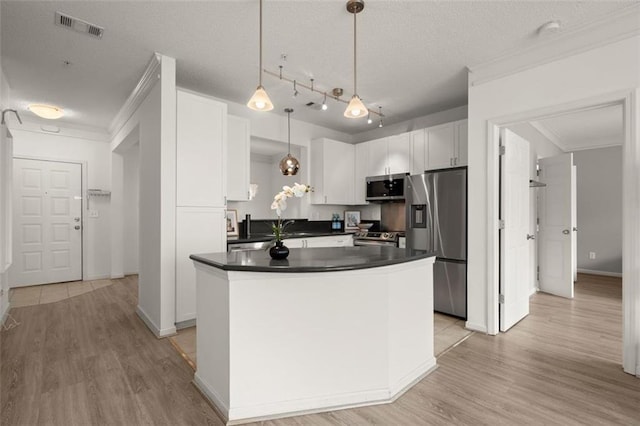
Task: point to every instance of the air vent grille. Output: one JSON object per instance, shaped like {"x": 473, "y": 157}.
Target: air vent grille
{"x": 78, "y": 25}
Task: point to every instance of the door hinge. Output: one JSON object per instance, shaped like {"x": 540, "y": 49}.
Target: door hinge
{"x": 501, "y": 298}
{"x": 501, "y": 224}
{"x": 538, "y": 273}
{"x": 502, "y": 150}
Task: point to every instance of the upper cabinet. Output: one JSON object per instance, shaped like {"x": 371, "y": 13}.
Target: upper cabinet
{"x": 418, "y": 148}
{"x": 332, "y": 172}
{"x": 446, "y": 145}
{"x": 201, "y": 142}
{"x": 389, "y": 155}
{"x": 361, "y": 169}
{"x": 239, "y": 157}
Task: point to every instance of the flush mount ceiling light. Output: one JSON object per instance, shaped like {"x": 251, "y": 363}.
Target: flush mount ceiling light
{"x": 289, "y": 165}
{"x": 260, "y": 100}
{"x": 356, "y": 108}
{"x": 50, "y": 112}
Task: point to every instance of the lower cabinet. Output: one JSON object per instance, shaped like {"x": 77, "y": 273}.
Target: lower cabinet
{"x": 326, "y": 241}
{"x": 198, "y": 230}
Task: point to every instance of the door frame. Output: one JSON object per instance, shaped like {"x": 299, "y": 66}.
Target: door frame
{"x": 84, "y": 217}
{"x": 630, "y": 210}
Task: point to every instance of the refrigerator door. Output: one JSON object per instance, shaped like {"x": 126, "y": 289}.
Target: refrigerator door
{"x": 450, "y": 288}
{"x": 419, "y": 213}
{"x": 449, "y": 211}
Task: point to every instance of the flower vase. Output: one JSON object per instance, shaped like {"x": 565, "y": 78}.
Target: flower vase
{"x": 279, "y": 251}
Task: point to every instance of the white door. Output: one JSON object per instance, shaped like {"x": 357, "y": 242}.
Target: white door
{"x": 555, "y": 245}
{"x": 515, "y": 244}
{"x": 574, "y": 223}
{"x": 47, "y": 222}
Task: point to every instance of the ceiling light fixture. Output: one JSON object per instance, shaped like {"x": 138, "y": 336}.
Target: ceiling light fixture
{"x": 289, "y": 165}
{"x": 324, "y": 103}
{"x": 369, "y": 120}
{"x": 260, "y": 100}
{"x": 50, "y": 112}
{"x": 380, "y": 114}
{"x": 356, "y": 108}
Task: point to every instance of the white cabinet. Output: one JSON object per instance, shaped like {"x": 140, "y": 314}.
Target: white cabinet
{"x": 389, "y": 155}
{"x": 446, "y": 145}
{"x": 332, "y": 172}
{"x": 418, "y": 151}
{"x": 238, "y": 158}
{"x": 198, "y": 230}
{"x": 360, "y": 171}
{"x": 201, "y": 134}
{"x": 324, "y": 241}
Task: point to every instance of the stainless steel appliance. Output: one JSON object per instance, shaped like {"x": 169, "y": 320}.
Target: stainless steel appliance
{"x": 365, "y": 238}
{"x": 436, "y": 220}
{"x": 385, "y": 188}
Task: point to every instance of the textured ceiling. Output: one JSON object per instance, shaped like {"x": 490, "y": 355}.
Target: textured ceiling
{"x": 589, "y": 129}
{"x": 411, "y": 54}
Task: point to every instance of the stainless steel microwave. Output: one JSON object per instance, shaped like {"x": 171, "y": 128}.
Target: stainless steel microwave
{"x": 385, "y": 188}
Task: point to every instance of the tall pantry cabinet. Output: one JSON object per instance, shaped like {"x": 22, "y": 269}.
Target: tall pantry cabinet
{"x": 201, "y": 191}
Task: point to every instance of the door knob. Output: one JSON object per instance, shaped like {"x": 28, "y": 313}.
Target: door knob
{"x": 77, "y": 227}
{"x": 531, "y": 237}
{"x": 566, "y": 231}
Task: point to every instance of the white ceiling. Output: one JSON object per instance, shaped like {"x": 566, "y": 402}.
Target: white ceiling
{"x": 593, "y": 128}
{"x": 411, "y": 54}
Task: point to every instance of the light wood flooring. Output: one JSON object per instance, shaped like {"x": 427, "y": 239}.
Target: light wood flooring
{"x": 89, "y": 360}
{"x": 49, "y": 293}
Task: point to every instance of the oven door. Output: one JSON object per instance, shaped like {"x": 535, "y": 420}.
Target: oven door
{"x": 358, "y": 242}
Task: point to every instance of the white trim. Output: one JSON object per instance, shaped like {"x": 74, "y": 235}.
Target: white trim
{"x": 185, "y": 324}
{"x": 99, "y": 277}
{"x": 602, "y": 273}
{"x": 66, "y": 130}
{"x": 135, "y": 99}
{"x": 547, "y": 133}
{"x": 476, "y": 327}
{"x": 209, "y": 393}
{"x": 631, "y": 212}
{"x": 610, "y": 28}
{"x": 170, "y": 331}
{"x": 5, "y": 314}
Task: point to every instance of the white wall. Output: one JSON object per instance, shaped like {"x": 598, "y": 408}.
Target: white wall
{"x": 608, "y": 71}
{"x": 27, "y": 143}
{"x": 599, "y": 181}
{"x": 131, "y": 208}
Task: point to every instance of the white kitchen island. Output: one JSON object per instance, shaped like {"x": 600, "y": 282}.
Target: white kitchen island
{"x": 327, "y": 328}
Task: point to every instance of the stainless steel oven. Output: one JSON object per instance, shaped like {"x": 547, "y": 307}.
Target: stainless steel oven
{"x": 365, "y": 238}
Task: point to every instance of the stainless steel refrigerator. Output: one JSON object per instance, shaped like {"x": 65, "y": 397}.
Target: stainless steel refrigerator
{"x": 436, "y": 220}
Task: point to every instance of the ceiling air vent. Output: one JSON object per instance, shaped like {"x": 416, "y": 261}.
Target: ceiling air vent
{"x": 78, "y": 25}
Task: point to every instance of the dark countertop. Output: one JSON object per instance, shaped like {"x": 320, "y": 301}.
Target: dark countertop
{"x": 261, "y": 237}
{"x": 320, "y": 259}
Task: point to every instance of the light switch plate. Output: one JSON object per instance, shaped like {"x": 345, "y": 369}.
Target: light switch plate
{"x": 94, "y": 213}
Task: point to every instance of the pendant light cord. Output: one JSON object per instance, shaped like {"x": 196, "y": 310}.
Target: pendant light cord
{"x": 289, "y": 132}
{"x": 260, "y": 71}
{"x": 355, "y": 69}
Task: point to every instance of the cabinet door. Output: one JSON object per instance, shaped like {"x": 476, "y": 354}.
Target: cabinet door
{"x": 440, "y": 147}
{"x": 294, "y": 242}
{"x": 198, "y": 230}
{"x": 238, "y": 158}
{"x": 201, "y": 133}
{"x": 378, "y": 157}
{"x": 462, "y": 143}
{"x": 399, "y": 153}
{"x": 339, "y": 174}
{"x": 360, "y": 175}
{"x": 330, "y": 241}
{"x": 418, "y": 149}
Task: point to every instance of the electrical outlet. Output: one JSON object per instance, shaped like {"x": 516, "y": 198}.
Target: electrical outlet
{"x": 592, "y": 255}
{"x": 94, "y": 213}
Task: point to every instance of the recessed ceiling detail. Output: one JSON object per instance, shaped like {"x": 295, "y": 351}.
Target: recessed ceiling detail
{"x": 78, "y": 25}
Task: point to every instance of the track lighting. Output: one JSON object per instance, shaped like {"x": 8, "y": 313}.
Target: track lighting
{"x": 369, "y": 120}
{"x": 295, "y": 89}
{"x": 324, "y": 103}
{"x": 380, "y": 114}
{"x": 260, "y": 100}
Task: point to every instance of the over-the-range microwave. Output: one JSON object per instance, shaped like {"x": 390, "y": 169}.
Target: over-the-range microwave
{"x": 385, "y": 188}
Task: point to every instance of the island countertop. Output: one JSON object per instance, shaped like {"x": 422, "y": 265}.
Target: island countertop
{"x": 320, "y": 259}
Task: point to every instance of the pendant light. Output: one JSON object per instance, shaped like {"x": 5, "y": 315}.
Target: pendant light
{"x": 289, "y": 165}
{"x": 260, "y": 100}
{"x": 356, "y": 108}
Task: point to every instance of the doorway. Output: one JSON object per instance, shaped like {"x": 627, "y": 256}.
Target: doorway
{"x": 47, "y": 222}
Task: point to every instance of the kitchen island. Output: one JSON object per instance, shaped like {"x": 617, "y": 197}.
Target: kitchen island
{"x": 325, "y": 329}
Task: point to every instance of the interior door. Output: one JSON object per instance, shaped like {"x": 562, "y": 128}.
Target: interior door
{"x": 556, "y": 243}
{"x": 47, "y": 222}
{"x": 515, "y": 244}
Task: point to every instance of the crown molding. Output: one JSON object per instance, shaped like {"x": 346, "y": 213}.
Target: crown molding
{"x": 610, "y": 28}
{"x": 135, "y": 99}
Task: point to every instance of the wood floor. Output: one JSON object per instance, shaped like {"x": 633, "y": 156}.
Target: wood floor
{"x": 89, "y": 360}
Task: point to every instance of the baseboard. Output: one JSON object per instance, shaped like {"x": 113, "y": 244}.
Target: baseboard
{"x": 216, "y": 402}
{"x": 475, "y": 327}
{"x": 410, "y": 380}
{"x": 99, "y": 277}
{"x": 533, "y": 291}
{"x": 186, "y": 324}
{"x": 159, "y": 333}
{"x": 602, "y": 273}
{"x": 5, "y": 314}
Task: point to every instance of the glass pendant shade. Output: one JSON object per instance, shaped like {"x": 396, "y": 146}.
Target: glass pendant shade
{"x": 260, "y": 100}
{"x": 289, "y": 165}
{"x": 356, "y": 108}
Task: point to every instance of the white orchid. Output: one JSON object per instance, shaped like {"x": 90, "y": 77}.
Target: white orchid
{"x": 279, "y": 204}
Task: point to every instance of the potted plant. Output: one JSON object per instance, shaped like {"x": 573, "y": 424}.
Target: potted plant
{"x": 279, "y": 250}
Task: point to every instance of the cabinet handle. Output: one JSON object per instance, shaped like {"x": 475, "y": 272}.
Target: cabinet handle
{"x": 325, "y": 199}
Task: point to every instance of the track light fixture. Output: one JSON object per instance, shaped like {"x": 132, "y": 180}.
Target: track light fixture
{"x": 369, "y": 120}
{"x": 380, "y": 114}
{"x": 260, "y": 100}
{"x": 324, "y": 103}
